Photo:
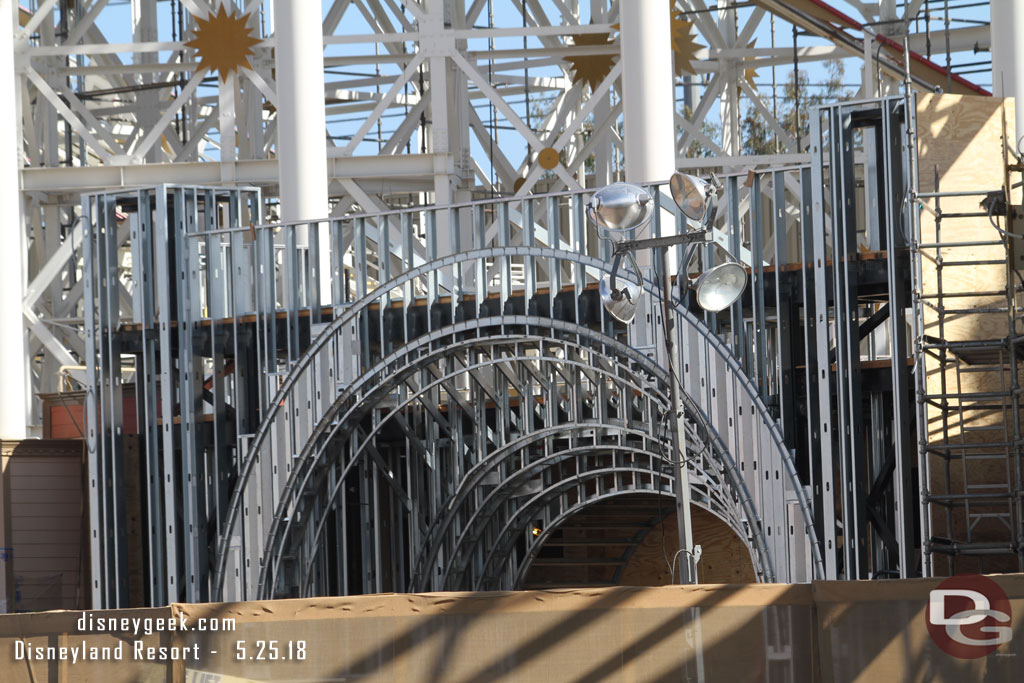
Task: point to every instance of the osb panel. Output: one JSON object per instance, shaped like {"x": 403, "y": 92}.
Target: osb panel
{"x": 961, "y": 149}
{"x": 725, "y": 558}
{"x": 59, "y": 629}
{"x": 960, "y": 145}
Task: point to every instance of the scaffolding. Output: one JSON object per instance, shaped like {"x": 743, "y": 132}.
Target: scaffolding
{"x": 970, "y": 350}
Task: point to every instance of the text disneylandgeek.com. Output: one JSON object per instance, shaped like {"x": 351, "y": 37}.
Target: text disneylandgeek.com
{"x": 132, "y": 648}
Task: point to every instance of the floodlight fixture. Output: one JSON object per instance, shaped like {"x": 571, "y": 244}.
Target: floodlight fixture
{"x": 620, "y": 297}
{"x": 620, "y": 211}
{"x": 694, "y": 196}
{"x": 720, "y": 287}
{"x": 716, "y": 288}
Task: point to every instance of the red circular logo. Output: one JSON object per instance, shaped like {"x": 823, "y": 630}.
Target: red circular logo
{"x": 968, "y": 616}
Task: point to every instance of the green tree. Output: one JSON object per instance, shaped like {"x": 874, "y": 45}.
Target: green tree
{"x": 696, "y": 148}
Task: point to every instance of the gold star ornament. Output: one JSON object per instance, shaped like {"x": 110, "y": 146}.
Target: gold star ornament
{"x": 224, "y": 41}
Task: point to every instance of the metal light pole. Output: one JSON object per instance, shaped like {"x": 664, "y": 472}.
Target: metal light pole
{"x": 619, "y": 210}
{"x": 660, "y": 245}
{"x": 687, "y": 561}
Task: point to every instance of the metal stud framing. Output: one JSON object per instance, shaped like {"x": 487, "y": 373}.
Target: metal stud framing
{"x": 454, "y": 391}
{"x": 862, "y": 419}
{"x": 464, "y": 383}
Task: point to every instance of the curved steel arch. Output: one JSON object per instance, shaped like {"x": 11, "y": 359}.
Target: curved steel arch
{"x": 514, "y": 571}
{"x": 285, "y": 420}
{"x": 333, "y": 422}
{"x": 500, "y": 554}
{"x": 315, "y": 449}
{"x": 762, "y": 561}
{"x": 471, "y": 480}
{"x": 378, "y": 382}
{"x": 760, "y": 557}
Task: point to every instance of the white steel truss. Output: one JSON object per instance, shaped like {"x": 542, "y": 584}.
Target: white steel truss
{"x": 426, "y": 101}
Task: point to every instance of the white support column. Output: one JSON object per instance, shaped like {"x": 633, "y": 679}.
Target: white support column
{"x": 1008, "y": 56}
{"x": 603, "y": 150}
{"x": 301, "y": 124}
{"x": 144, "y": 29}
{"x": 439, "y": 139}
{"x": 648, "y": 97}
{"x": 14, "y": 399}
{"x": 227, "y": 98}
{"x": 458, "y": 115}
{"x": 869, "y": 82}
{"x": 889, "y": 15}
{"x": 50, "y": 153}
{"x": 448, "y": 133}
{"x": 732, "y": 143}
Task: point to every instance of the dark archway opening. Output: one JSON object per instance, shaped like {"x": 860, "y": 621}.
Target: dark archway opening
{"x": 630, "y": 540}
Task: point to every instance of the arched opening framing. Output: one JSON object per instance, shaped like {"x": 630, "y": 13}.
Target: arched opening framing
{"x": 459, "y": 434}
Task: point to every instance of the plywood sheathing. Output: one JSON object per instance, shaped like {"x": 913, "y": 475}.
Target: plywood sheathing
{"x": 724, "y": 559}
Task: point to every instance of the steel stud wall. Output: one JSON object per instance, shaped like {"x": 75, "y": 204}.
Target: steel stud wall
{"x": 463, "y": 385}
{"x": 293, "y": 446}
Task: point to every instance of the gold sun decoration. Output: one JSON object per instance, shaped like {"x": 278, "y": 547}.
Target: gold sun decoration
{"x": 591, "y": 69}
{"x": 684, "y": 44}
{"x": 749, "y": 74}
{"x": 224, "y": 41}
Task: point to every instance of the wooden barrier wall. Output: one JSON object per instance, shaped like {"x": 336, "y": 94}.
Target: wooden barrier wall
{"x": 43, "y": 525}
{"x": 828, "y": 631}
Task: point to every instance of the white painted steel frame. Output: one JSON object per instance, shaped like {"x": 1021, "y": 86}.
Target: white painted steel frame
{"x": 95, "y": 117}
